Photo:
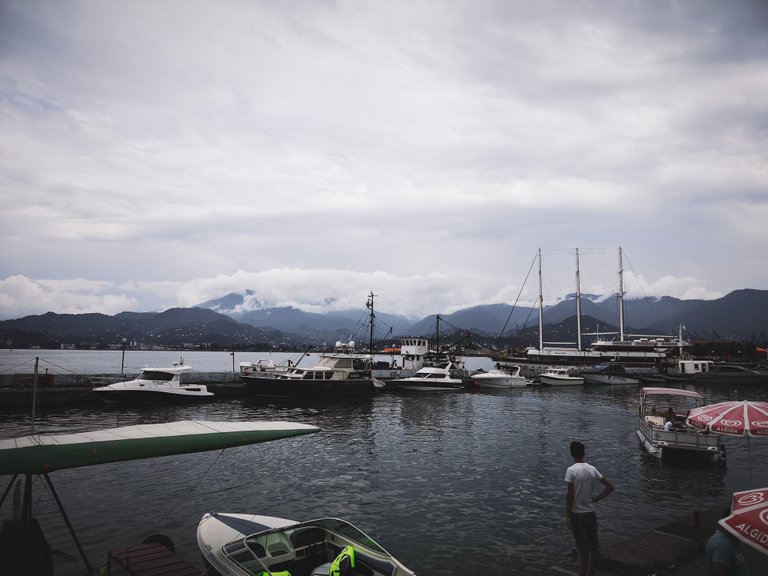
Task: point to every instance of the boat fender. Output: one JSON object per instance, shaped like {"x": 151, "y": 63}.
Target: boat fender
{"x": 343, "y": 563}
{"x": 161, "y": 539}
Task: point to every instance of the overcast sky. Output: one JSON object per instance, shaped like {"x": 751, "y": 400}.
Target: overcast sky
{"x": 160, "y": 154}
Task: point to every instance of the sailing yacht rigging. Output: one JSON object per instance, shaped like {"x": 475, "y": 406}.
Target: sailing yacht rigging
{"x": 644, "y": 353}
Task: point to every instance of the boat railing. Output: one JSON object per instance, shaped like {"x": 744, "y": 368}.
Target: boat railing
{"x": 688, "y": 438}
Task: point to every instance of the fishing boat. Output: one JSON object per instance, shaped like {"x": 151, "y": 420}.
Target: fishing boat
{"x": 507, "y": 377}
{"x": 251, "y": 544}
{"x": 560, "y": 377}
{"x": 663, "y": 431}
{"x": 443, "y": 376}
{"x": 26, "y": 551}
{"x": 335, "y": 375}
{"x": 414, "y": 354}
{"x": 711, "y": 372}
{"x": 155, "y": 386}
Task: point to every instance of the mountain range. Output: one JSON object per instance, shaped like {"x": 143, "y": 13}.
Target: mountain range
{"x": 225, "y": 323}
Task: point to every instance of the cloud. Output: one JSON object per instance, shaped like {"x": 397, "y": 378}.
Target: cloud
{"x": 422, "y": 150}
{"x": 21, "y": 296}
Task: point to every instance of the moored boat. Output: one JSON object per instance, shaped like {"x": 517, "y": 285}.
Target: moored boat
{"x": 414, "y": 354}
{"x": 711, "y": 372}
{"x": 648, "y": 352}
{"x": 560, "y": 377}
{"x": 155, "y": 386}
{"x": 440, "y": 377}
{"x": 335, "y": 375}
{"x": 252, "y": 544}
{"x": 662, "y": 429}
{"x": 611, "y": 373}
{"x": 507, "y": 377}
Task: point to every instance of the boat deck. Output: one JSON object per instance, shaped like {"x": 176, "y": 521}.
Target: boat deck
{"x": 149, "y": 559}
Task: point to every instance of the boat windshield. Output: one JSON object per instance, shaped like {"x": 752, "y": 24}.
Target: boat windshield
{"x": 345, "y": 529}
{"x": 155, "y": 375}
{"x": 346, "y": 363}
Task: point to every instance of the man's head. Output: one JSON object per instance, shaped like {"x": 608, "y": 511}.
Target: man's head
{"x": 577, "y": 450}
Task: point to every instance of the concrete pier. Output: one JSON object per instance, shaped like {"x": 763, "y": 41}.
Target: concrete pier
{"x": 674, "y": 549}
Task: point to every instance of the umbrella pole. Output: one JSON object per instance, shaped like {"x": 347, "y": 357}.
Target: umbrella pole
{"x": 749, "y": 461}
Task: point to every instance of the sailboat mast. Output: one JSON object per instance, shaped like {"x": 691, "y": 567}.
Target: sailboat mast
{"x": 372, "y": 318}
{"x": 621, "y": 295}
{"x": 578, "y": 304}
{"x": 541, "y": 309}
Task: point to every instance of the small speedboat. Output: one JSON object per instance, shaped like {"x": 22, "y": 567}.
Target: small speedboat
{"x": 508, "y": 377}
{"x": 440, "y": 377}
{"x": 155, "y": 386}
{"x": 250, "y": 544}
{"x": 560, "y": 377}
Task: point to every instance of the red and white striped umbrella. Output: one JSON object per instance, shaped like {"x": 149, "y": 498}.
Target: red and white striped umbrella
{"x": 749, "y": 518}
{"x": 735, "y": 418}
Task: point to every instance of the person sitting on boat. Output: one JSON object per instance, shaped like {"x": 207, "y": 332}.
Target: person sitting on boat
{"x": 670, "y": 415}
{"x": 669, "y": 426}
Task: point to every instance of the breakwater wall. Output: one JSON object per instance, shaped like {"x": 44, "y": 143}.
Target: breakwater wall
{"x": 18, "y": 390}
{"x": 91, "y": 380}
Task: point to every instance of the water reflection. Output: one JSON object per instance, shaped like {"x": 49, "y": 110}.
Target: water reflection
{"x": 434, "y": 478}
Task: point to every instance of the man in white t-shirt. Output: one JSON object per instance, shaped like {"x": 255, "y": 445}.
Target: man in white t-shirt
{"x": 580, "y": 514}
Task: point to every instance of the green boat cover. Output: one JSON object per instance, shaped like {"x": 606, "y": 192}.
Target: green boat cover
{"x": 40, "y": 453}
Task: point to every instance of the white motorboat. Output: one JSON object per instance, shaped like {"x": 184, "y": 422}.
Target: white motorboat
{"x": 440, "y": 377}
{"x": 662, "y": 429}
{"x": 611, "y": 373}
{"x": 560, "y": 377}
{"x": 335, "y": 374}
{"x": 507, "y": 377}
{"x": 155, "y": 386}
{"x": 245, "y": 544}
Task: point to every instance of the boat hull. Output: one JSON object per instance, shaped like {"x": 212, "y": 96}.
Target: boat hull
{"x": 428, "y": 387}
{"x": 661, "y": 444}
{"x": 609, "y": 379}
{"x": 550, "y": 381}
{"x": 499, "y": 382}
{"x": 145, "y": 397}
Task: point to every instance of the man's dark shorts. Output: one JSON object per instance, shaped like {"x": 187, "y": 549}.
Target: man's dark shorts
{"x": 584, "y": 528}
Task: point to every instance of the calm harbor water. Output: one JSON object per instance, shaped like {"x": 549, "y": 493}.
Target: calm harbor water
{"x": 450, "y": 483}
